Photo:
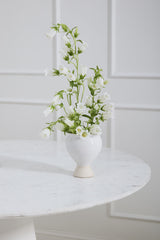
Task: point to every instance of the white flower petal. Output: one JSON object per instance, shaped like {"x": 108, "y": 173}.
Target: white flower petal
{"x": 45, "y": 133}
{"x": 47, "y": 111}
{"x": 95, "y": 130}
{"x": 70, "y": 109}
{"x": 63, "y": 70}
{"x": 56, "y": 100}
{"x": 81, "y": 109}
{"x": 89, "y": 101}
{"x": 83, "y": 70}
{"x": 84, "y": 134}
{"x": 83, "y": 46}
{"x": 60, "y": 126}
{"x": 69, "y": 122}
{"x": 51, "y": 34}
{"x": 100, "y": 83}
{"x": 48, "y": 72}
{"x": 79, "y": 130}
{"x": 71, "y": 76}
{"x": 104, "y": 97}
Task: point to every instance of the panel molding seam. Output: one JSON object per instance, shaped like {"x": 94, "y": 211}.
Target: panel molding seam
{"x": 23, "y": 101}
{"x": 111, "y": 54}
{"x": 65, "y": 236}
{"x": 25, "y": 73}
{"x": 141, "y": 217}
{"x": 140, "y": 107}
{"x": 112, "y": 211}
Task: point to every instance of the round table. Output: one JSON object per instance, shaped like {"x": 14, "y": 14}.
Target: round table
{"x": 36, "y": 179}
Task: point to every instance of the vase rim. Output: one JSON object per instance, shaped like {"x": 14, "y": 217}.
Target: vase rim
{"x": 90, "y": 135}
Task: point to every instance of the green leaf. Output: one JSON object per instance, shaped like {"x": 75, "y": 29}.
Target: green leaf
{"x": 56, "y": 72}
{"x": 70, "y": 52}
{"x": 60, "y": 93}
{"x": 79, "y": 51}
{"x": 52, "y": 107}
{"x": 79, "y": 41}
{"x": 87, "y": 116}
{"x": 68, "y": 44}
{"x": 73, "y": 28}
{"x": 64, "y": 27}
{"x": 56, "y": 27}
{"x": 66, "y": 58}
{"x": 92, "y": 69}
{"x": 72, "y": 84}
{"x": 61, "y": 105}
{"x": 82, "y": 76}
{"x": 76, "y": 34}
{"x": 91, "y": 91}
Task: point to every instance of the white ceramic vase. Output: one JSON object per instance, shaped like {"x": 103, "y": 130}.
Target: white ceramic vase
{"x": 83, "y": 151}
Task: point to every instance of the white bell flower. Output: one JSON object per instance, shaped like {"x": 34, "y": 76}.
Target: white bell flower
{"x": 84, "y": 134}
{"x": 81, "y": 109}
{"x": 47, "y": 111}
{"x": 69, "y": 91}
{"x": 63, "y": 70}
{"x": 71, "y": 76}
{"x": 105, "y": 107}
{"x": 70, "y": 110}
{"x": 69, "y": 122}
{"x": 89, "y": 101}
{"x": 95, "y": 130}
{"x": 48, "y": 72}
{"x": 106, "y": 116}
{"x": 91, "y": 84}
{"x": 104, "y": 97}
{"x": 56, "y": 100}
{"x": 66, "y": 39}
{"x": 83, "y": 46}
{"x": 89, "y": 80}
{"x": 60, "y": 126}
{"x": 51, "y": 34}
{"x": 79, "y": 130}
{"x": 57, "y": 107}
{"x": 83, "y": 70}
{"x": 108, "y": 108}
{"x": 45, "y": 133}
{"x": 100, "y": 83}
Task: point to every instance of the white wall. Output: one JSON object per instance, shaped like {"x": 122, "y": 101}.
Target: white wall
{"x": 123, "y": 37}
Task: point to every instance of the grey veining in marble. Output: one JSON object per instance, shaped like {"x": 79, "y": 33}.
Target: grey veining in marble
{"x": 36, "y": 179}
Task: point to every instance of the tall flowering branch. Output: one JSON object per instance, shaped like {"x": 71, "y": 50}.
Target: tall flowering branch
{"x": 80, "y": 116}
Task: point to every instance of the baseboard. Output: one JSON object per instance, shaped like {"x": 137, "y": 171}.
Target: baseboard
{"x": 59, "y": 235}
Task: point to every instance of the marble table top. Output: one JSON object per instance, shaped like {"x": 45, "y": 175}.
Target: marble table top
{"x": 36, "y": 179}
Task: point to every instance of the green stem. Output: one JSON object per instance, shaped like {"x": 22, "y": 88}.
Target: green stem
{"x": 82, "y": 92}
{"x": 73, "y": 63}
{"x": 76, "y": 65}
{"x": 77, "y": 60}
{"x": 70, "y": 99}
{"x": 64, "y": 110}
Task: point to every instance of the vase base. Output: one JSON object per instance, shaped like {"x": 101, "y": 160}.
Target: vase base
{"x": 83, "y": 172}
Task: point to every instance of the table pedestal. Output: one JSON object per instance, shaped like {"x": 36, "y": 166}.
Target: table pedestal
{"x": 17, "y": 229}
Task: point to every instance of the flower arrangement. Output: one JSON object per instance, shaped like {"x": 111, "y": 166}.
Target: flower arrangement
{"x": 79, "y": 114}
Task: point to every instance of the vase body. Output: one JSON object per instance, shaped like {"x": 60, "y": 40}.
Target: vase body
{"x": 83, "y": 151}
